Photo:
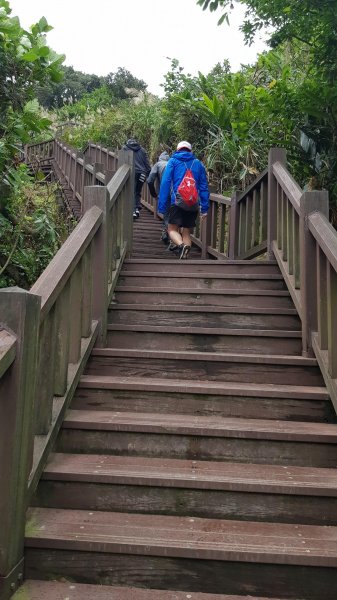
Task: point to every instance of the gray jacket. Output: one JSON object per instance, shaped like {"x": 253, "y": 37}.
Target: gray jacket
{"x": 156, "y": 173}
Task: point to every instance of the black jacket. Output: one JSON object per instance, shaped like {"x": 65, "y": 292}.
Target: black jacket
{"x": 142, "y": 164}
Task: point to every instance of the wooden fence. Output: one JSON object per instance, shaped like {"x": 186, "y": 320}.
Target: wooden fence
{"x": 46, "y": 336}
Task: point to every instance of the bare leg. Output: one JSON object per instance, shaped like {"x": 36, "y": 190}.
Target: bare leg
{"x": 186, "y": 235}
{"x": 175, "y": 236}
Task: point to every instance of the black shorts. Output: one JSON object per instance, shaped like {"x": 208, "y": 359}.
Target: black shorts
{"x": 182, "y": 218}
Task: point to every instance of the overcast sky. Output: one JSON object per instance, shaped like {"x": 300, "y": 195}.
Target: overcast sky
{"x": 101, "y": 35}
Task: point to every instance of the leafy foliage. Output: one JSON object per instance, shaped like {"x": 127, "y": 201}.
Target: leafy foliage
{"x": 25, "y": 62}
{"x": 32, "y": 228}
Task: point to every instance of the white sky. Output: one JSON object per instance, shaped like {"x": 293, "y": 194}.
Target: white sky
{"x": 101, "y": 35}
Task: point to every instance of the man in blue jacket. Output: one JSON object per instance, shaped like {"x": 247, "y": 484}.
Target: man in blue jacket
{"x": 181, "y": 221}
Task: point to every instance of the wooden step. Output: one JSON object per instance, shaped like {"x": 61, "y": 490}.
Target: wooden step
{"x": 197, "y": 266}
{"x": 196, "y": 316}
{"x": 57, "y": 590}
{"x": 205, "y": 438}
{"x": 196, "y": 488}
{"x": 227, "y": 399}
{"x": 142, "y": 296}
{"x": 183, "y": 553}
{"x": 205, "y": 366}
{"x": 214, "y": 281}
{"x": 205, "y": 339}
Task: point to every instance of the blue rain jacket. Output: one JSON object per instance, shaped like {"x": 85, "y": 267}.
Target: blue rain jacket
{"x": 173, "y": 175}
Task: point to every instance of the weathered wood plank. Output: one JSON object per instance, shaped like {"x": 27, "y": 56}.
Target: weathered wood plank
{"x": 7, "y": 350}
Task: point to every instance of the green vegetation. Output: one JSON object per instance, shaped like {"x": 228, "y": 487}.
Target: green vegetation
{"x": 30, "y": 225}
{"x": 288, "y": 98}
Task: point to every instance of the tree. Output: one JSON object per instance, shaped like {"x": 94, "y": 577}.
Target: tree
{"x": 25, "y": 62}
{"x": 313, "y": 22}
{"x": 121, "y": 81}
{"x": 71, "y": 89}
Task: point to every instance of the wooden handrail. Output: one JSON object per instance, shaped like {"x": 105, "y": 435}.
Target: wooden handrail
{"x": 288, "y": 185}
{"x": 55, "y": 276}
{"x": 117, "y": 183}
{"x": 325, "y": 235}
{"x": 7, "y": 350}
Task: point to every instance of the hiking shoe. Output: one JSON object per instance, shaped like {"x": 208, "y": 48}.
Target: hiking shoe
{"x": 165, "y": 238}
{"x": 172, "y": 247}
{"x": 184, "y": 251}
{"x": 136, "y": 214}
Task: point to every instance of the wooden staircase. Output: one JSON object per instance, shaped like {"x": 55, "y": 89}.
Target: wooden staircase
{"x": 198, "y": 459}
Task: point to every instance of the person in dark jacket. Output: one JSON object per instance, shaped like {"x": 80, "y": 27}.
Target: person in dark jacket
{"x": 153, "y": 182}
{"x": 142, "y": 170}
{"x": 174, "y": 173}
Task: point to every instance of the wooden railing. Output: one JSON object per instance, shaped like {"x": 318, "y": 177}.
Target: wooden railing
{"x": 46, "y": 338}
{"x": 304, "y": 244}
{"x": 108, "y": 158}
{"x": 248, "y": 218}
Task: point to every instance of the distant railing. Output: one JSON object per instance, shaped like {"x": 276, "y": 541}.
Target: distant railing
{"x": 46, "y": 337}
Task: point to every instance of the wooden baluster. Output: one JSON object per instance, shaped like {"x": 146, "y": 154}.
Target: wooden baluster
{"x": 45, "y": 387}
{"x": 322, "y": 298}
{"x": 256, "y": 218}
{"x": 248, "y": 223}
{"x": 222, "y": 228}
{"x": 310, "y": 201}
{"x": 233, "y": 227}
{"x": 127, "y": 157}
{"x": 62, "y": 335}
{"x": 20, "y": 310}
{"x": 296, "y": 244}
{"x": 98, "y": 196}
{"x": 275, "y": 155}
{"x": 86, "y": 292}
{"x": 242, "y": 227}
{"x": 98, "y": 168}
{"x": 75, "y": 314}
{"x": 285, "y": 203}
{"x": 290, "y": 237}
{"x": 332, "y": 321}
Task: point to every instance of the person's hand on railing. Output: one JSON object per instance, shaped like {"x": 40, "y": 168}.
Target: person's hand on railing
{"x": 203, "y": 216}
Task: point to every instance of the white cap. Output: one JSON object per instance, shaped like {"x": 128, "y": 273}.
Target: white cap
{"x": 186, "y": 145}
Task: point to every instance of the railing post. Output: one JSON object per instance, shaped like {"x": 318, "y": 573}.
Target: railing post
{"x": 275, "y": 155}
{"x": 97, "y": 168}
{"x": 20, "y": 312}
{"x": 309, "y": 202}
{"x": 233, "y": 227}
{"x": 206, "y": 233}
{"x": 128, "y": 157}
{"x": 97, "y": 195}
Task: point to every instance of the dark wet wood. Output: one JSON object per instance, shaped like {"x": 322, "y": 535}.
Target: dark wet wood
{"x": 195, "y": 488}
{"x": 119, "y": 398}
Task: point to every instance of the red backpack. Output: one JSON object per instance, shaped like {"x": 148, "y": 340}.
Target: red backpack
{"x": 187, "y": 196}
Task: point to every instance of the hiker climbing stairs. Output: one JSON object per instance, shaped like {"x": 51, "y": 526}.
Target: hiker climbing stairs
{"x": 198, "y": 457}
{"x": 146, "y": 239}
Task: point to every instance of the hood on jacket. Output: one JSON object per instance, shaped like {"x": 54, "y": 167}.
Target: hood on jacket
{"x": 133, "y": 144}
{"x": 164, "y": 156}
{"x": 183, "y": 155}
